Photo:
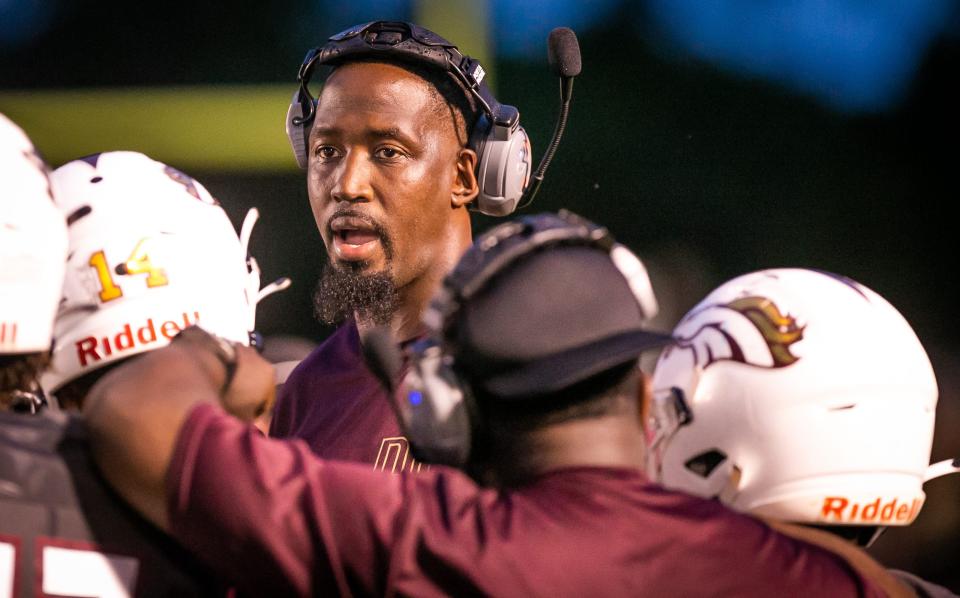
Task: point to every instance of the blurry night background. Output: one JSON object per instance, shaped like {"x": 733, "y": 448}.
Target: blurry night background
{"x": 714, "y": 137}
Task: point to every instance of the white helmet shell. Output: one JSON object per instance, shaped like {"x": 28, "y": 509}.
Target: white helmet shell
{"x": 151, "y": 252}
{"x": 809, "y": 399}
{"x": 33, "y": 246}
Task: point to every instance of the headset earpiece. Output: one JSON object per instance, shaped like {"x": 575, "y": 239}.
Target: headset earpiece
{"x": 298, "y": 129}
{"x": 503, "y": 169}
{"x": 435, "y": 408}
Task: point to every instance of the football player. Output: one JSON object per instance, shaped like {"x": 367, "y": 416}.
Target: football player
{"x": 33, "y": 250}
{"x": 529, "y": 382}
{"x": 799, "y": 396}
{"x": 151, "y": 253}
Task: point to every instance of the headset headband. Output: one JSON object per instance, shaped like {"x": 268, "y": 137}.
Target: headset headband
{"x": 529, "y": 234}
{"x": 401, "y": 41}
{"x": 500, "y": 247}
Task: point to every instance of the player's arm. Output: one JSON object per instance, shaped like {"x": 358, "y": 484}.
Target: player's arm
{"x": 135, "y": 412}
{"x": 266, "y": 514}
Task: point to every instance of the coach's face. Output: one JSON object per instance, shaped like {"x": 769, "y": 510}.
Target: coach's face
{"x": 388, "y": 178}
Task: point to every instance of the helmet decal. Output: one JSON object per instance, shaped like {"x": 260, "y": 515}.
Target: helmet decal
{"x": 92, "y": 159}
{"x": 853, "y": 284}
{"x": 188, "y": 183}
{"x": 778, "y": 331}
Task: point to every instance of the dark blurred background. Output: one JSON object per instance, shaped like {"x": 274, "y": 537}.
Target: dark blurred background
{"x": 714, "y": 137}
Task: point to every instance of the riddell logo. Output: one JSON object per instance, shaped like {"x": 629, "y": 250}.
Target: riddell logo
{"x": 93, "y": 349}
{"x": 836, "y": 508}
{"x": 8, "y": 333}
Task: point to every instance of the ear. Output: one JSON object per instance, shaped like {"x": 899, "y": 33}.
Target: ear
{"x": 465, "y": 187}
{"x": 644, "y": 394}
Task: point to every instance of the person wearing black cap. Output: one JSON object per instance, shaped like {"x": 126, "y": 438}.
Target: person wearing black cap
{"x": 528, "y": 381}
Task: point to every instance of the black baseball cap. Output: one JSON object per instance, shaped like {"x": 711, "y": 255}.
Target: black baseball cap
{"x": 548, "y": 320}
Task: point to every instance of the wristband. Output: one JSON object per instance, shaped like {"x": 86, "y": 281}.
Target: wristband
{"x": 222, "y": 349}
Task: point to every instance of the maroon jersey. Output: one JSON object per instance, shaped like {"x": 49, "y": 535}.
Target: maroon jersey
{"x": 64, "y": 532}
{"x": 278, "y": 520}
{"x": 335, "y": 403}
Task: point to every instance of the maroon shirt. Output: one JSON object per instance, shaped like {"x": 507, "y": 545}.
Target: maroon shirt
{"x": 277, "y": 520}
{"x": 335, "y": 403}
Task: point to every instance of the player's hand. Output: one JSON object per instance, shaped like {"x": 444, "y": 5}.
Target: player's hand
{"x": 252, "y": 391}
{"x": 244, "y": 380}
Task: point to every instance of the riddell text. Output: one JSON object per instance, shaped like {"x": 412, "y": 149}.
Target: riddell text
{"x": 8, "y": 333}
{"x": 93, "y": 349}
{"x": 836, "y": 508}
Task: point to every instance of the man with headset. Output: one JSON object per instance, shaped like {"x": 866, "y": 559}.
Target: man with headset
{"x": 528, "y": 380}
{"x": 404, "y": 138}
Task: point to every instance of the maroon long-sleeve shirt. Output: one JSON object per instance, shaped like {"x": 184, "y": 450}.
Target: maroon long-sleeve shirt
{"x": 278, "y": 520}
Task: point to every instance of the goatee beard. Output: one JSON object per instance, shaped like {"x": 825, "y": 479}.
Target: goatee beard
{"x": 345, "y": 292}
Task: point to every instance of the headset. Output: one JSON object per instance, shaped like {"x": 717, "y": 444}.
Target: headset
{"x": 502, "y": 146}
{"x": 437, "y": 412}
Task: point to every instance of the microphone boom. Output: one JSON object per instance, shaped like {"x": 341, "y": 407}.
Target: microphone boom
{"x": 563, "y": 54}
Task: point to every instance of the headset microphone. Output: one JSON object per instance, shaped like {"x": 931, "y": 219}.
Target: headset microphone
{"x": 563, "y": 55}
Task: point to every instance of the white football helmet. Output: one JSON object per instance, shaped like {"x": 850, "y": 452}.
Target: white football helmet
{"x": 33, "y": 246}
{"x": 151, "y": 253}
{"x": 799, "y": 396}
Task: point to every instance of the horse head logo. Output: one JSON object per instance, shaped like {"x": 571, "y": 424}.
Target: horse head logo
{"x": 759, "y": 334}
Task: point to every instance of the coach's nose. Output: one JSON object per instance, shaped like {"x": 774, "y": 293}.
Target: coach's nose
{"x": 353, "y": 182}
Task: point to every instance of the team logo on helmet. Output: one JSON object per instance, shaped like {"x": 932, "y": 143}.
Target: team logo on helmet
{"x": 188, "y": 183}
{"x": 716, "y": 341}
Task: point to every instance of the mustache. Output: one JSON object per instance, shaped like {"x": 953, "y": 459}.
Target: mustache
{"x": 350, "y": 212}
{"x": 374, "y": 224}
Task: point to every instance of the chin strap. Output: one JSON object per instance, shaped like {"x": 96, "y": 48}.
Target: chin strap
{"x": 255, "y": 294}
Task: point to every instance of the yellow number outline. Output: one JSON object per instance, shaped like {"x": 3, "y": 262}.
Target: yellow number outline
{"x": 138, "y": 263}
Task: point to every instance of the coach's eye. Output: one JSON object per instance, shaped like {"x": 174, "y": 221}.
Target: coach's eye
{"x": 326, "y": 152}
{"x": 389, "y": 153}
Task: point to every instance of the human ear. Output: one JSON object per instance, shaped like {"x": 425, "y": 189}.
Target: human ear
{"x": 465, "y": 186}
{"x": 644, "y": 394}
